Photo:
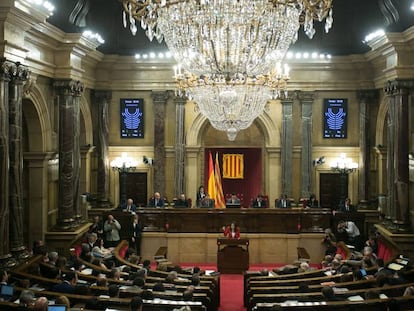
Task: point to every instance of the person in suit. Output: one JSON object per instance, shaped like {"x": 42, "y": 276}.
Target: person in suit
{"x": 283, "y": 202}
{"x": 129, "y": 206}
{"x": 347, "y": 207}
{"x": 156, "y": 201}
{"x": 312, "y": 202}
{"x": 207, "y": 202}
{"x": 111, "y": 229}
{"x": 68, "y": 285}
{"x": 136, "y": 232}
{"x": 232, "y": 231}
{"x": 259, "y": 201}
{"x": 233, "y": 199}
{"x": 181, "y": 201}
{"x": 201, "y": 194}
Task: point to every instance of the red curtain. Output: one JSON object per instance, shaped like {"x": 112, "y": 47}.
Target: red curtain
{"x": 251, "y": 185}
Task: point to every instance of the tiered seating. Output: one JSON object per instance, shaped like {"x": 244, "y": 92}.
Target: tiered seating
{"x": 205, "y": 295}
{"x": 284, "y": 292}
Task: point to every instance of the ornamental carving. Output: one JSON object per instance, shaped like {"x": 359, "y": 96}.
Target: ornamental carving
{"x": 69, "y": 87}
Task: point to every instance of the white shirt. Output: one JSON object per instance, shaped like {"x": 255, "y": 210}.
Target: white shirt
{"x": 352, "y": 229}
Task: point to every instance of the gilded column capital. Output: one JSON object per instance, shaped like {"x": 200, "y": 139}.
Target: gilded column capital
{"x": 69, "y": 87}
{"x": 7, "y": 69}
{"x": 101, "y": 95}
{"x": 396, "y": 87}
{"x": 179, "y": 100}
{"x": 20, "y": 73}
{"x": 160, "y": 97}
{"x": 305, "y": 96}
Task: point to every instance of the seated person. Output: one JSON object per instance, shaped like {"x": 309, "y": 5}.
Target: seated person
{"x": 312, "y": 202}
{"x": 156, "y": 201}
{"x": 347, "y": 207}
{"x": 129, "y": 206}
{"x": 259, "y": 201}
{"x": 100, "y": 251}
{"x": 68, "y": 285}
{"x": 232, "y": 231}
{"x": 233, "y": 199}
{"x": 207, "y": 202}
{"x": 182, "y": 201}
{"x": 283, "y": 202}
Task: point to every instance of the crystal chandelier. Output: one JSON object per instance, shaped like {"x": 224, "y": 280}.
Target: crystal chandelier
{"x": 232, "y": 103}
{"x": 227, "y": 49}
{"x": 343, "y": 165}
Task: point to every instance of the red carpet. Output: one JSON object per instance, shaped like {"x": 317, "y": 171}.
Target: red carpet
{"x": 231, "y": 286}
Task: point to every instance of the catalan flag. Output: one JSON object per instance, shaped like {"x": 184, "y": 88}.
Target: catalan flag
{"x": 219, "y": 187}
{"x": 211, "y": 186}
{"x": 233, "y": 166}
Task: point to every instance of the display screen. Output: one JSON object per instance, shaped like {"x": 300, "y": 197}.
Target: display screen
{"x": 335, "y": 112}
{"x": 132, "y": 118}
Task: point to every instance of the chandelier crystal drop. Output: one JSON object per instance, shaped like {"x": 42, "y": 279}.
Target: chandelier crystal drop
{"x": 232, "y": 103}
{"x": 227, "y": 49}
{"x": 226, "y": 36}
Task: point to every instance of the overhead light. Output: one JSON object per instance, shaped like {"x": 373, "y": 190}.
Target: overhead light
{"x": 374, "y": 35}
{"x": 93, "y": 36}
{"x": 412, "y": 6}
{"x": 227, "y": 47}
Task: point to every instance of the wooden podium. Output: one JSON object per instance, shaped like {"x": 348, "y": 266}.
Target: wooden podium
{"x": 232, "y": 255}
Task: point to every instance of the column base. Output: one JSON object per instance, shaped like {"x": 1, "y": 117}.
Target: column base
{"x": 20, "y": 253}
{"x": 401, "y": 226}
{"x": 7, "y": 261}
{"x": 65, "y": 224}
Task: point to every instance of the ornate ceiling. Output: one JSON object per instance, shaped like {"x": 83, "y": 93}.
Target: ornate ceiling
{"x": 353, "y": 20}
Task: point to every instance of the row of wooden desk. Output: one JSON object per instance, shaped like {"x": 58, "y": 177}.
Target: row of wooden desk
{"x": 250, "y": 220}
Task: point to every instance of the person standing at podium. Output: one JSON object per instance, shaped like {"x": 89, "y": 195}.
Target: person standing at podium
{"x": 232, "y": 231}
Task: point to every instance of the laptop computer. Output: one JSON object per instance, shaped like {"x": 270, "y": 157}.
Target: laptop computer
{"x": 233, "y": 205}
{"x": 6, "y": 292}
{"x": 56, "y": 308}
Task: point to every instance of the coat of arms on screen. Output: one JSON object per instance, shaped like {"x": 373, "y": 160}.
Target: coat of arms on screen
{"x": 233, "y": 166}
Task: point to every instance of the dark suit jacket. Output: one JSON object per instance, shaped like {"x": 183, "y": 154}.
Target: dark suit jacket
{"x": 352, "y": 209}
{"x": 137, "y": 229}
{"x": 199, "y": 198}
{"x": 280, "y": 204}
{"x": 63, "y": 287}
{"x": 133, "y": 208}
{"x": 263, "y": 203}
{"x": 160, "y": 203}
{"x": 181, "y": 203}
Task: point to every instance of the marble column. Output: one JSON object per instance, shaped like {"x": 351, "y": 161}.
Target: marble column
{"x": 159, "y": 100}
{"x": 69, "y": 92}
{"x": 399, "y": 91}
{"x": 306, "y": 99}
{"x": 364, "y": 97}
{"x": 102, "y": 99}
{"x": 5, "y": 68}
{"x": 287, "y": 146}
{"x": 18, "y": 77}
{"x": 180, "y": 144}
{"x": 390, "y": 157}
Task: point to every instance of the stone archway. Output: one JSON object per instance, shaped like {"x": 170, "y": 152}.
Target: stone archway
{"x": 86, "y": 145}
{"x": 271, "y": 152}
{"x": 37, "y": 147}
